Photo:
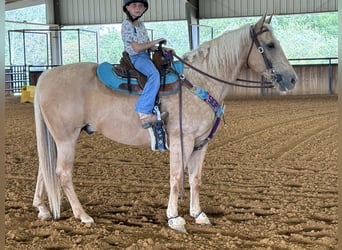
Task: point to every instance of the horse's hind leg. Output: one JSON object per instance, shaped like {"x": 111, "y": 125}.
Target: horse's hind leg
{"x": 39, "y": 196}
{"x": 65, "y": 160}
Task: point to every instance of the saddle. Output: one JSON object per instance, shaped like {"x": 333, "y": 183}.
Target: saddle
{"x": 127, "y": 70}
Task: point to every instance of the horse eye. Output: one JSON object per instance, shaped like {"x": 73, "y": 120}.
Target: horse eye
{"x": 270, "y": 45}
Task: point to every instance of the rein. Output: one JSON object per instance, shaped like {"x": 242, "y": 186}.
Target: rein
{"x": 263, "y": 84}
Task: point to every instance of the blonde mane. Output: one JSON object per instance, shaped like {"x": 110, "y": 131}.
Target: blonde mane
{"x": 220, "y": 53}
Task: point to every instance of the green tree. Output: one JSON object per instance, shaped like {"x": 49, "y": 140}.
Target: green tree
{"x": 301, "y": 36}
{"x": 34, "y": 42}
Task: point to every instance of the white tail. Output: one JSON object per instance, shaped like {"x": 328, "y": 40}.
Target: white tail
{"x": 47, "y": 155}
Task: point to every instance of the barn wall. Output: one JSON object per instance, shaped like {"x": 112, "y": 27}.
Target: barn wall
{"x": 312, "y": 80}
{"x": 79, "y": 12}
{"x": 242, "y": 8}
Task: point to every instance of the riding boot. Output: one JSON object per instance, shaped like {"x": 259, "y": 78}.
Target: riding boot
{"x": 147, "y": 120}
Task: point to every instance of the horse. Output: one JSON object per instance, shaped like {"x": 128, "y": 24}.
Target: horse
{"x": 69, "y": 98}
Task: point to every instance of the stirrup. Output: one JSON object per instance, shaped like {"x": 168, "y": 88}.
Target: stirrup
{"x": 158, "y": 134}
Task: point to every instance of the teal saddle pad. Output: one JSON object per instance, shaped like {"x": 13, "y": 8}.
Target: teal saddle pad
{"x": 107, "y": 76}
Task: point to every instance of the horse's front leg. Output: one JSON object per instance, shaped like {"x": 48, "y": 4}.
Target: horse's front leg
{"x": 175, "y": 221}
{"x": 195, "y": 180}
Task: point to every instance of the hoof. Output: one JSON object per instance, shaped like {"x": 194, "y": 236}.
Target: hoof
{"x": 45, "y": 216}
{"x": 43, "y": 212}
{"x": 202, "y": 219}
{"x": 88, "y": 128}
{"x": 87, "y": 220}
{"x": 178, "y": 224}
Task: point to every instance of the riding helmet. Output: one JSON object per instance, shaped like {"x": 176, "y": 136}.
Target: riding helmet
{"x": 127, "y": 2}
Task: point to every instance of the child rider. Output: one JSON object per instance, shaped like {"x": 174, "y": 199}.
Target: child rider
{"x": 137, "y": 44}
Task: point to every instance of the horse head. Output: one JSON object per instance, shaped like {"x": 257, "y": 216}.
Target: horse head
{"x": 266, "y": 56}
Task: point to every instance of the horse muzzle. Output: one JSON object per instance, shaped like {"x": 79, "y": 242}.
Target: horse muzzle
{"x": 286, "y": 80}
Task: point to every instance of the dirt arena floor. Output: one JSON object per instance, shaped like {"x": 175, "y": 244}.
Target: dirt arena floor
{"x": 269, "y": 182}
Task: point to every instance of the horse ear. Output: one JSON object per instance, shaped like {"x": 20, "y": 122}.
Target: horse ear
{"x": 260, "y": 23}
{"x": 269, "y": 19}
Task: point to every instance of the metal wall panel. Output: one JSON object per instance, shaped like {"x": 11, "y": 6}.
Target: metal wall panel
{"x": 78, "y": 12}
{"x": 242, "y": 8}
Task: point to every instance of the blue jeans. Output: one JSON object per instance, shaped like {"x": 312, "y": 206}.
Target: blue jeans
{"x": 144, "y": 64}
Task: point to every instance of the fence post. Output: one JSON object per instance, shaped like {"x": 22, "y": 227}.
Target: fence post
{"x": 330, "y": 77}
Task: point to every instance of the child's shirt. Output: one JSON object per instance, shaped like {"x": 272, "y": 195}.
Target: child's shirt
{"x": 131, "y": 33}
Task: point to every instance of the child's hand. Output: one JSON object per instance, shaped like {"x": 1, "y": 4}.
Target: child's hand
{"x": 169, "y": 50}
{"x": 162, "y": 41}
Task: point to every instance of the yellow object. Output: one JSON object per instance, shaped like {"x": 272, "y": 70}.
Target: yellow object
{"x": 27, "y": 94}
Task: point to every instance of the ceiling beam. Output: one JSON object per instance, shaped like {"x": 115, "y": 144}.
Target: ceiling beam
{"x": 18, "y": 4}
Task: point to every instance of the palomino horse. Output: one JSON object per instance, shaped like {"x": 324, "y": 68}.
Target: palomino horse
{"x": 71, "y": 97}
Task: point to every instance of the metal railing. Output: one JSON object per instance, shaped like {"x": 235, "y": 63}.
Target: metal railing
{"x": 15, "y": 78}
{"x": 18, "y": 76}
{"x": 319, "y": 60}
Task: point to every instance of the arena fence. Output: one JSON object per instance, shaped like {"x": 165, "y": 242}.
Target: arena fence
{"x": 15, "y": 79}
{"x": 19, "y": 76}
{"x": 316, "y": 76}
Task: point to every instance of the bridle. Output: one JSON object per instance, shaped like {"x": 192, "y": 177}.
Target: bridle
{"x": 269, "y": 67}
{"x": 260, "y": 49}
